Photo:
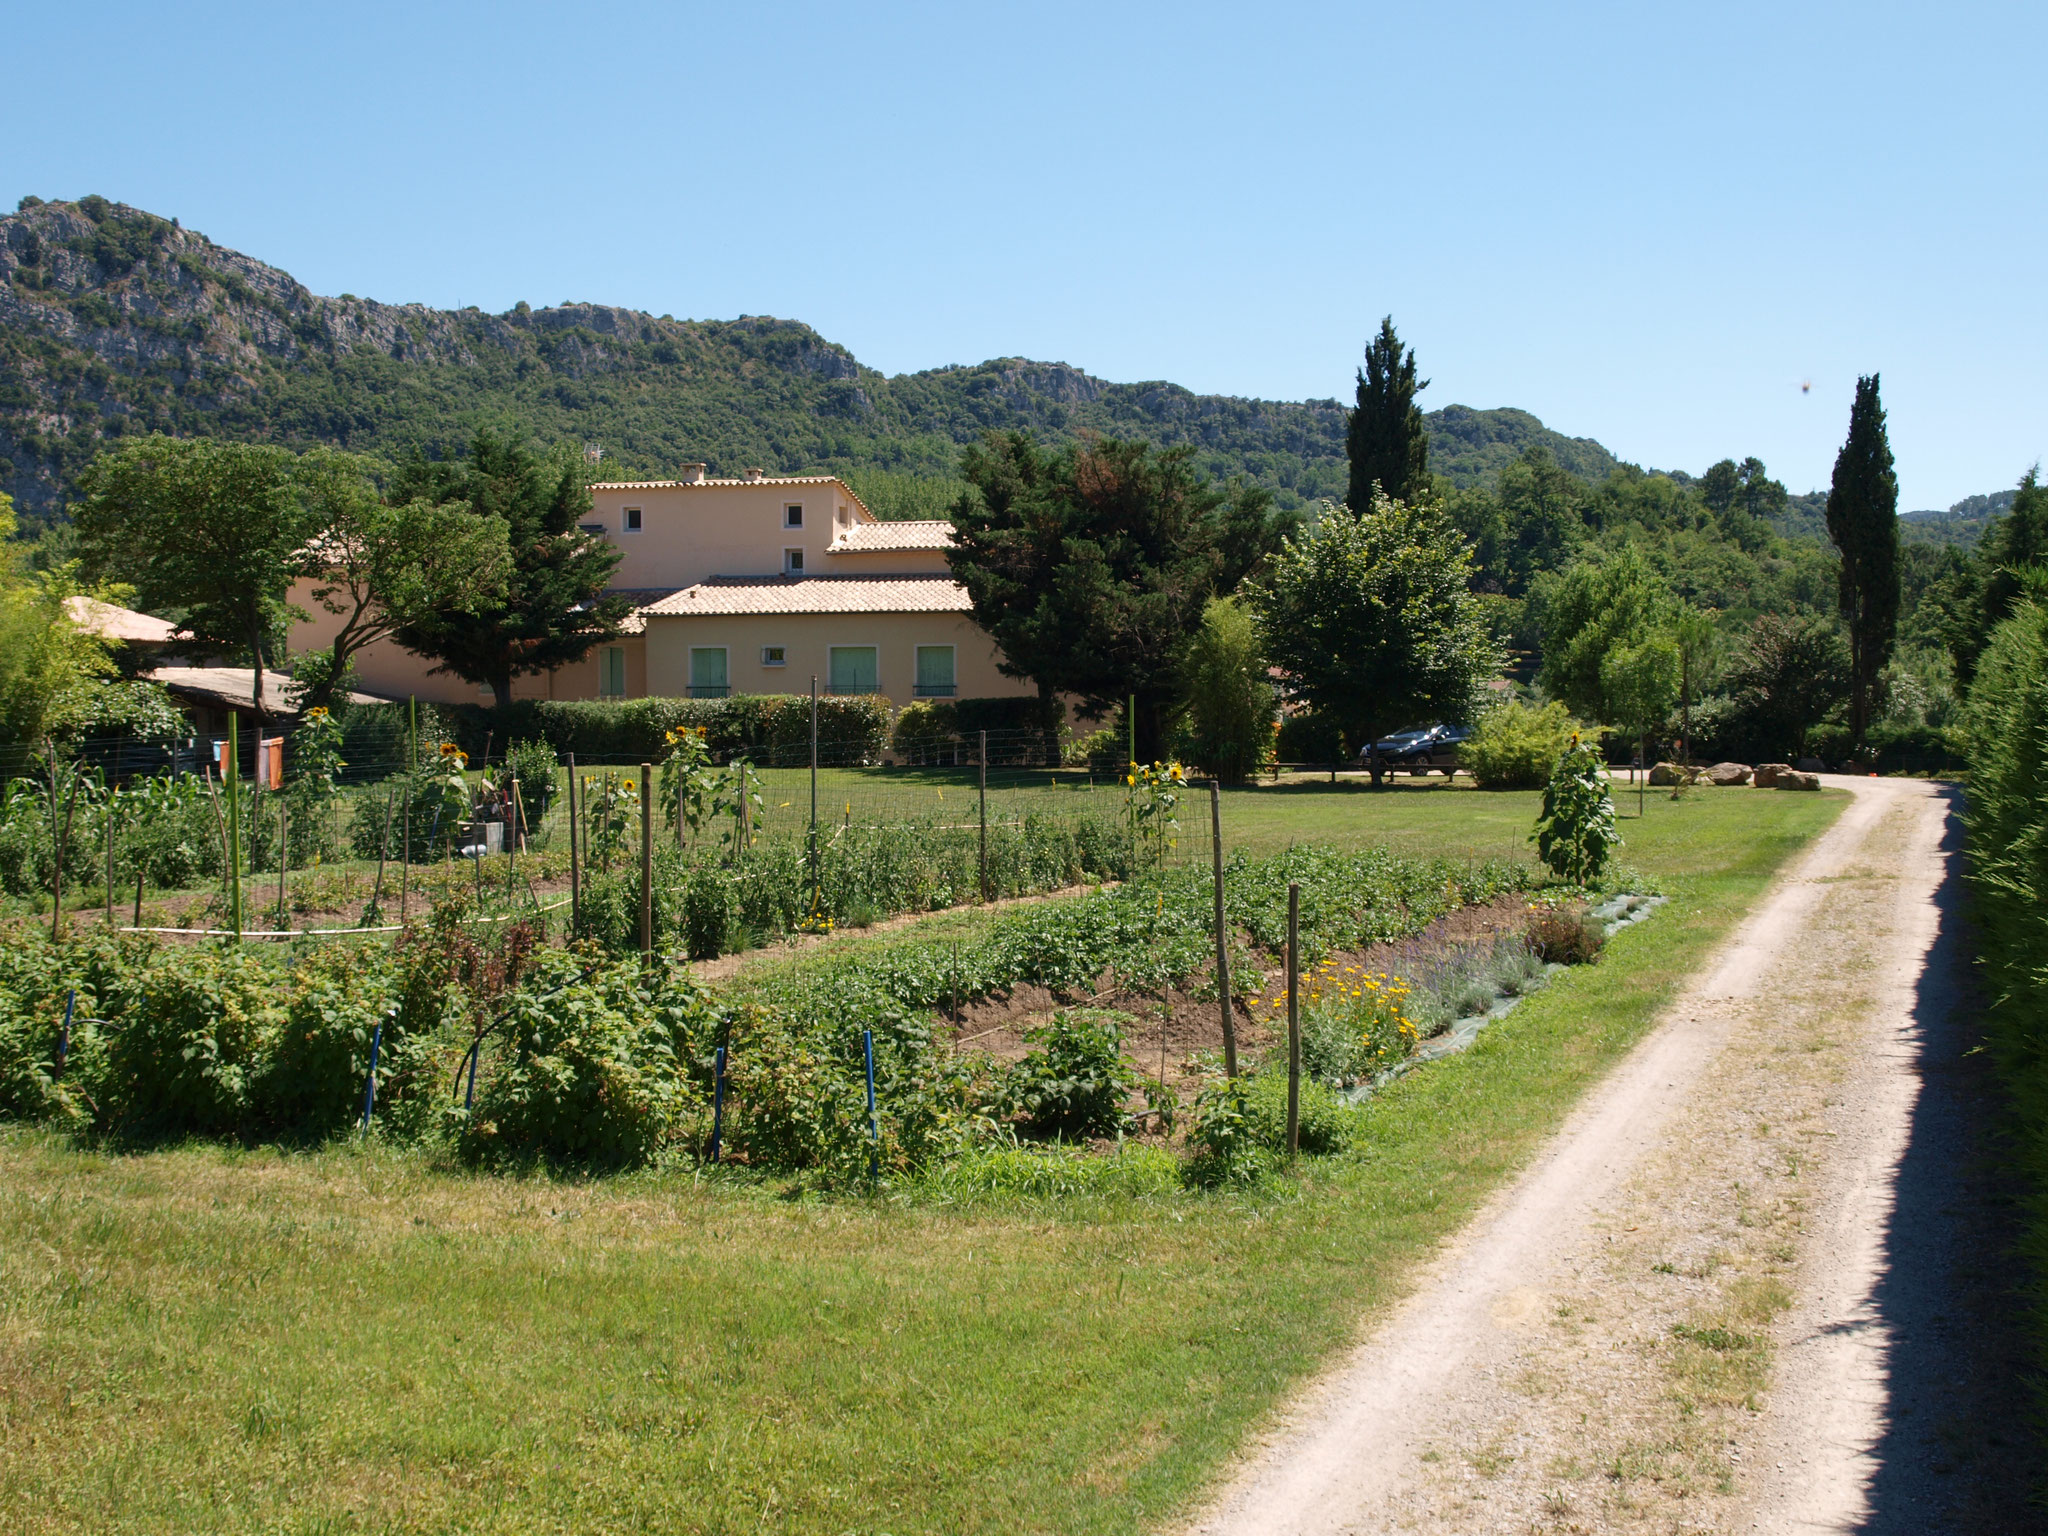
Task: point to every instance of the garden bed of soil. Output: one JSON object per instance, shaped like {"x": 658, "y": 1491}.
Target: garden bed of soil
{"x": 1192, "y": 1022}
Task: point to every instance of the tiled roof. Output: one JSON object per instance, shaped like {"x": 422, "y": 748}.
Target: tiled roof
{"x": 931, "y": 533}
{"x": 815, "y": 594}
{"x": 113, "y": 622}
{"x": 713, "y": 485}
{"x": 235, "y": 688}
{"x": 642, "y": 598}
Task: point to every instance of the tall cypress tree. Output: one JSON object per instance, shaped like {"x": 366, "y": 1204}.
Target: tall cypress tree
{"x": 1387, "y": 442}
{"x": 1863, "y": 521}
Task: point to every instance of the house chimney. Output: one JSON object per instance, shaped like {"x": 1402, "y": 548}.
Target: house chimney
{"x": 754, "y": 475}
{"x": 693, "y": 474}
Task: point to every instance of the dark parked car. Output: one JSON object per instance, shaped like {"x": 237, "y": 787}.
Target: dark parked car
{"x": 1418, "y": 752}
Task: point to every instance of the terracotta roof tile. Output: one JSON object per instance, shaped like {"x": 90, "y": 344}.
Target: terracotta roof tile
{"x": 815, "y": 594}
{"x": 927, "y": 533}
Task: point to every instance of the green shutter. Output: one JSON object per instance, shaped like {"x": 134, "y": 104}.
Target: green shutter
{"x": 853, "y": 669}
{"x": 707, "y": 670}
{"x": 935, "y": 671}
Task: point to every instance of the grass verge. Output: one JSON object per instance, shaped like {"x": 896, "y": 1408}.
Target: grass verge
{"x": 357, "y": 1340}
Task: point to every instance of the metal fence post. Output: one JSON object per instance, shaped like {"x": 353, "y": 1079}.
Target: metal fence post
{"x": 1293, "y": 1017}
{"x": 1223, "y": 997}
{"x": 817, "y": 874}
{"x": 984, "y": 816}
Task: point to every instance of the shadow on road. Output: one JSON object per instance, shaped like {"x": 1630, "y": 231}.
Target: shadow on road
{"x": 1958, "y": 1452}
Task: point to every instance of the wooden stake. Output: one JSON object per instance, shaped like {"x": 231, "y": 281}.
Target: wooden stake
{"x": 1223, "y": 997}
{"x": 138, "y": 895}
{"x": 404, "y": 853}
{"x": 575, "y": 850}
{"x": 63, "y": 846}
{"x": 284, "y": 857}
{"x": 1293, "y": 1017}
{"x": 383, "y": 847}
{"x": 984, "y": 816}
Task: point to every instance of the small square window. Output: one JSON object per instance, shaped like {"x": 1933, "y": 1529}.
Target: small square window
{"x": 774, "y": 655}
{"x": 632, "y": 520}
{"x": 792, "y": 562}
{"x": 792, "y": 517}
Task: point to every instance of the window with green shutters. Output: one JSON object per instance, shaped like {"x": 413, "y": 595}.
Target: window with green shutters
{"x": 935, "y": 672}
{"x": 853, "y": 669}
{"x": 708, "y": 678}
{"x": 611, "y": 672}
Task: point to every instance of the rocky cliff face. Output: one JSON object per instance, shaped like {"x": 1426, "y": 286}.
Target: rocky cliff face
{"x": 115, "y": 321}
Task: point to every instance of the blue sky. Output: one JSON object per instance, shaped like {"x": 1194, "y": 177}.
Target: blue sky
{"x": 1647, "y": 224}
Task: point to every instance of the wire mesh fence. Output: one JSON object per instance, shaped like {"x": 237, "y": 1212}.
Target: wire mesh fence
{"x": 844, "y": 832}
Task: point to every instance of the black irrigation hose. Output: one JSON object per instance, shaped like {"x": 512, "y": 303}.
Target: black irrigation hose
{"x": 476, "y": 1045}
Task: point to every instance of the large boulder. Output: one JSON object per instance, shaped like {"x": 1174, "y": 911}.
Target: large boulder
{"x": 1812, "y": 765}
{"x": 1767, "y": 774}
{"x": 1669, "y": 773}
{"x": 1727, "y": 775}
{"x": 1792, "y": 778}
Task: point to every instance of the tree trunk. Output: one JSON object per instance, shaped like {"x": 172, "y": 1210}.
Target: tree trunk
{"x": 501, "y": 687}
{"x": 256, "y": 689}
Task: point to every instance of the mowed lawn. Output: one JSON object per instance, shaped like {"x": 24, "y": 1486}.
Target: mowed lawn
{"x": 359, "y": 1340}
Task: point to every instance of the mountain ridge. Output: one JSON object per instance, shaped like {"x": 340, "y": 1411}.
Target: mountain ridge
{"x": 115, "y": 321}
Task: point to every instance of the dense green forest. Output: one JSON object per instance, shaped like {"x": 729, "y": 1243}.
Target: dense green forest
{"x": 114, "y": 321}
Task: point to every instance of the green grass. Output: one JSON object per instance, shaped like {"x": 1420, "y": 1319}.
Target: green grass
{"x": 210, "y": 1340}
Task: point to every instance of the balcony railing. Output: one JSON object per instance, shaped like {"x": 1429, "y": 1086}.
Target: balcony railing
{"x": 935, "y": 690}
{"x": 709, "y": 690}
{"x": 852, "y": 690}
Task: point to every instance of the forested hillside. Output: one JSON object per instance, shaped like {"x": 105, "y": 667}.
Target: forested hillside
{"x": 114, "y": 321}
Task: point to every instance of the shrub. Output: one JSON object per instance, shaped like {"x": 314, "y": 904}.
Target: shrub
{"x": 311, "y": 1082}
{"x": 192, "y": 1029}
{"x": 1074, "y": 1081}
{"x": 596, "y": 1072}
{"x": 927, "y": 731}
{"x": 1565, "y": 935}
{"x": 1515, "y": 745}
{"x": 769, "y": 728}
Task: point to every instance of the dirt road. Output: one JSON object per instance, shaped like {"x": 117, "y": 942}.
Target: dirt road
{"x": 1752, "y": 1285}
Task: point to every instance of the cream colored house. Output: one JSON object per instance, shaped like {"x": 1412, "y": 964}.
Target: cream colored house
{"x": 752, "y": 585}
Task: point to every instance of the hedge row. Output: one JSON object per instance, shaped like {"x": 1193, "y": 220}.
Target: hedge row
{"x": 769, "y": 728}
{"x": 2008, "y": 831}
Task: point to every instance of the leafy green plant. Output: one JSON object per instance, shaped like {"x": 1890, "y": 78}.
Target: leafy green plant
{"x": 1075, "y": 1080}
{"x": 532, "y": 766}
{"x": 1575, "y": 833}
{"x": 192, "y": 1028}
{"x": 611, "y": 805}
{"x": 1224, "y": 1144}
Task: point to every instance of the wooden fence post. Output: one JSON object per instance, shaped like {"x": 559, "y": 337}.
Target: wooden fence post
{"x": 575, "y": 851}
{"x": 1223, "y": 996}
{"x": 984, "y": 816}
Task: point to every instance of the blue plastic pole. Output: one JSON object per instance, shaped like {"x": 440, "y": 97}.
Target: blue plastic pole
{"x": 64, "y": 1035}
{"x": 867, "y": 1041}
{"x": 469, "y": 1093}
{"x": 717, "y": 1103}
{"x": 370, "y": 1083}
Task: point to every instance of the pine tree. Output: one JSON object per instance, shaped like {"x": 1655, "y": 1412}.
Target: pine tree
{"x": 1387, "y": 442}
{"x": 1863, "y": 522}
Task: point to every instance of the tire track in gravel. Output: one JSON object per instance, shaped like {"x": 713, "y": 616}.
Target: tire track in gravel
{"x": 1686, "y": 1315}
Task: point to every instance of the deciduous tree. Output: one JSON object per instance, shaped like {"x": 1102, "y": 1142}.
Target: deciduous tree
{"x": 381, "y": 568}
{"x": 212, "y": 530}
{"x": 1373, "y": 620}
{"x": 1587, "y": 613}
